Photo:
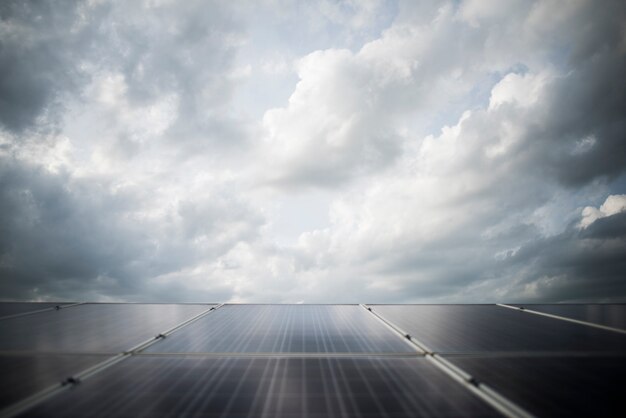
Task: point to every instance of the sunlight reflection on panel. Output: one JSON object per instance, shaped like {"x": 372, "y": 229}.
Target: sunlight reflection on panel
{"x": 268, "y": 387}
{"x": 285, "y": 328}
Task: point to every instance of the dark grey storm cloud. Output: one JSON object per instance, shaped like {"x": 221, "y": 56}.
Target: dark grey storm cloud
{"x": 38, "y": 57}
{"x": 589, "y": 103}
{"x": 66, "y": 239}
{"x": 576, "y": 265}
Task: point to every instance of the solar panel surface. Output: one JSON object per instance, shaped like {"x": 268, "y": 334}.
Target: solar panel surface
{"x": 490, "y": 328}
{"x": 268, "y": 387}
{"x": 285, "y": 329}
{"x": 95, "y": 328}
{"x": 13, "y": 308}
{"x": 610, "y": 315}
{"x": 25, "y": 374}
{"x": 572, "y": 386}
{"x": 306, "y": 360}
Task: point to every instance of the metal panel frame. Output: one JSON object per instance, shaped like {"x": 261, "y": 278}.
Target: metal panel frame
{"x": 484, "y": 392}
{"x": 563, "y": 318}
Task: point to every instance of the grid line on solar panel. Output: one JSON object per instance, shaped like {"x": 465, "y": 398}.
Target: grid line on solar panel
{"x": 285, "y": 328}
{"x": 484, "y": 328}
{"x": 329, "y": 354}
{"x": 604, "y": 316}
{"x": 92, "y": 327}
{"x": 184, "y": 386}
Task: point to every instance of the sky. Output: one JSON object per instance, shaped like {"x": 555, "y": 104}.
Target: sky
{"x": 313, "y": 151}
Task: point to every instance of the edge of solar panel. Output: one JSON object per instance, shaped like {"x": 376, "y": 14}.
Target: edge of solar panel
{"x": 609, "y": 320}
{"x": 27, "y": 308}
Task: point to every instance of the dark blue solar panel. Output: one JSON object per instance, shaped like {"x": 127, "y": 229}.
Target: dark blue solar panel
{"x": 285, "y": 328}
{"x": 611, "y": 315}
{"x": 24, "y": 375}
{"x": 92, "y": 327}
{"x": 267, "y": 387}
{"x": 555, "y": 386}
{"x": 490, "y": 328}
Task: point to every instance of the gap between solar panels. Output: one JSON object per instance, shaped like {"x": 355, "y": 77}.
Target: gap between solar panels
{"x": 52, "y": 308}
{"x": 71, "y": 381}
{"x": 283, "y": 355}
{"x": 484, "y": 392}
{"x": 562, "y": 318}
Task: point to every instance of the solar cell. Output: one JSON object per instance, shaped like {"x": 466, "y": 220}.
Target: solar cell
{"x": 92, "y": 327}
{"x": 23, "y": 374}
{"x": 611, "y": 315}
{"x": 12, "y": 308}
{"x": 489, "y": 328}
{"x": 285, "y": 328}
{"x": 267, "y": 387}
{"x": 555, "y": 386}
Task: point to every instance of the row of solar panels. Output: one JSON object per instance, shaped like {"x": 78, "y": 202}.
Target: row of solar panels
{"x": 311, "y": 360}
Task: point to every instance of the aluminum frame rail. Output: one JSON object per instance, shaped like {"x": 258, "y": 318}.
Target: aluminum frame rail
{"x": 483, "y": 391}
{"x": 563, "y": 318}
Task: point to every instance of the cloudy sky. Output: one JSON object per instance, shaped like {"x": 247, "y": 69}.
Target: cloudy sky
{"x": 299, "y": 151}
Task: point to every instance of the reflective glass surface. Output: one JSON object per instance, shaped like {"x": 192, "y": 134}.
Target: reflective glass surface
{"x": 490, "y": 328}
{"x": 613, "y": 315}
{"x": 92, "y": 327}
{"x": 12, "y": 308}
{"x": 267, "y": 387}
{"x": 285, "y": 328}
{"x": 555, "y": 386}
{"x": 25, "y": 375}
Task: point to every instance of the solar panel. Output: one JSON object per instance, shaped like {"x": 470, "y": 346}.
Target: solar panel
{"x": 25, "y": 374}
{"x": 556, "y": 385}
{"x": 12, "y": 308}
{"x": 267, "y": 387}
{"x": 490, "y": 328}
{"x": 611, "y": 315}
{"x": 285, "y": 328}
{"x": 306, "y": 360}
{"x": 92, "y": 327}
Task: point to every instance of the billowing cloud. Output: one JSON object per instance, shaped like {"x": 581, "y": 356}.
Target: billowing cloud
{"x": 428, "y": 151}
{"x": 612, "y": 205}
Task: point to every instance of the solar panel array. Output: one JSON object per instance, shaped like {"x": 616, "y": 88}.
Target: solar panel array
{"x": 210, "y": 360}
